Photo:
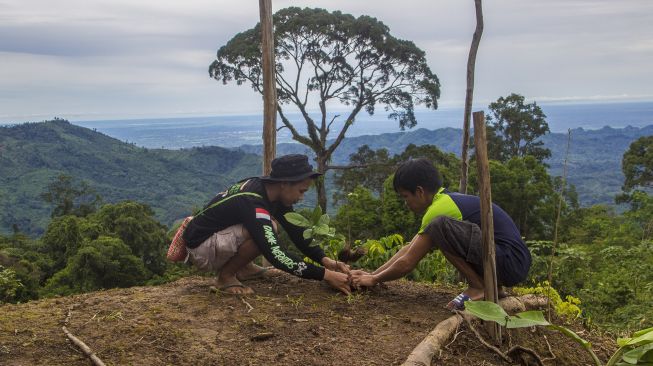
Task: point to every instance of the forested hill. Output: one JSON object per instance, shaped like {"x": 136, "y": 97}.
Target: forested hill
{"x": 172, "y": 182}
{"x": 594, "y": 158}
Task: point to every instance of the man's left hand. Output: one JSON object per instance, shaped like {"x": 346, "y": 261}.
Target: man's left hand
{"x": 333, "y": 265}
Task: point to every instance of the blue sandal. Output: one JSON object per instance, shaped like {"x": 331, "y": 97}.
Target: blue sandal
{"x": 459, "y": 302}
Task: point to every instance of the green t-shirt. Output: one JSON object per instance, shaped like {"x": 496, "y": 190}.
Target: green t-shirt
{"x": 442, "y": 205}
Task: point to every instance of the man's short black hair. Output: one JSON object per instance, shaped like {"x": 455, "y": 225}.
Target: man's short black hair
{"x": 417, "y": 172}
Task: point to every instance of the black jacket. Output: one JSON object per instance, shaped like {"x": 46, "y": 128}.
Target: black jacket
{"x": 247, "y": 203}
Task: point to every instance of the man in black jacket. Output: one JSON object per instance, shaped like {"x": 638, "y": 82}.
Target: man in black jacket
{"x": 237, "y": 225}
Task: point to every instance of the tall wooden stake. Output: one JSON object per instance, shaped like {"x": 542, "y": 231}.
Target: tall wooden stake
{"x": 269, "y": 86}
{"x": 487, "y": 223}
{"x": 469, "y": 94}
{"x": 269, "y": 89}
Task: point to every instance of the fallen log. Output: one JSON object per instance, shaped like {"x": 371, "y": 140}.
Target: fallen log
{"x": 434, "y": 341}
{"x": 78, "y": 342}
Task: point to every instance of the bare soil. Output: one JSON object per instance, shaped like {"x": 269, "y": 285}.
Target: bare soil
{"x": 288, "y": 321}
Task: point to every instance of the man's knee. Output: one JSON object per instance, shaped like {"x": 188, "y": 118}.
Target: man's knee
{"x": 435, "y": 230}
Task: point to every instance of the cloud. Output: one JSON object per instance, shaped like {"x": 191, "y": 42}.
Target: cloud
{"x": 150, "y": 57}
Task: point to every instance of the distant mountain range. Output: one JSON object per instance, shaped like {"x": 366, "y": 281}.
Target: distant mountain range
{"x": 173, "y": 182}
{"x": 594, "y": 165}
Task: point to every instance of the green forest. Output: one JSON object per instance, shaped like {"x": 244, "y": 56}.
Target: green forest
{"x": 601, "y": 260}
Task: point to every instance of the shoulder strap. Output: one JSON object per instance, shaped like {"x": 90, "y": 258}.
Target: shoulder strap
{"x": 251, "y": 194}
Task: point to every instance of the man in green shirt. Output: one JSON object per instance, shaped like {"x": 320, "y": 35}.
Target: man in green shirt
{"x": 451, "y": 223}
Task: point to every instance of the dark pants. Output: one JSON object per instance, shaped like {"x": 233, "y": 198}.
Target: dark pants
{"x": 459, "y": 238}
{"x": 463, "y": 239}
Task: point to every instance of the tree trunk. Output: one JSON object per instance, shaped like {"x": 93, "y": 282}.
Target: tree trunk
{"x": 269, "y": 86}
{"x": 469, "y": 94}
{"x": 320, "y": 183}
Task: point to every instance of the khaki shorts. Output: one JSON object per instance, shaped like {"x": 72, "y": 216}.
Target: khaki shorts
{"x": 215, "y": 251}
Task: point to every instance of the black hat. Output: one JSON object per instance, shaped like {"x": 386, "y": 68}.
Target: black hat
{"x": 291, "y": 168}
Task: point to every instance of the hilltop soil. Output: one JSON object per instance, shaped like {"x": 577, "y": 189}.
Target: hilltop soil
{"x": 287, "y": 322}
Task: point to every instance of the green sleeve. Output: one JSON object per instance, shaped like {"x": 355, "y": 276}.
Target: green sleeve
{"x": 442, "y": 205}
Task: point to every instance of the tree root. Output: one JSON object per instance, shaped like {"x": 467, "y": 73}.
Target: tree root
{"x": 434, "y": 341}
{"x": 81, "y": 345}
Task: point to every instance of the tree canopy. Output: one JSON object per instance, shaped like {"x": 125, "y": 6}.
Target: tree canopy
{"x": 327, "y": 57}
{"x": 514, "y": 129}
{"x": 637, "y": 164}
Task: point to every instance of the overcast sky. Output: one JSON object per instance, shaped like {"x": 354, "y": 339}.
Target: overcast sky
{"x": 113, "y": 59}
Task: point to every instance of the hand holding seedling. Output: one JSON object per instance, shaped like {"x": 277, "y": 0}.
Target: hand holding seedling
{"x": 335, "y": 265}
{"x": 361, "y": 278}
{"x": 337, "y": 280}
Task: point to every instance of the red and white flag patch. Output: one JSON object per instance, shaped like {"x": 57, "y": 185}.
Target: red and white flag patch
{"x": 262, "y": 213}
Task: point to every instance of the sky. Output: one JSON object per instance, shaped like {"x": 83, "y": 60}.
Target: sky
{"x": 118, "y": 59}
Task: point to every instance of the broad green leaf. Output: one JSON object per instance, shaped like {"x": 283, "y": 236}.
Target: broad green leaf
{"x": 487, "y": 310}
{"x": 308, "y": 233}
{"x": 317, "y": 213}
{"x": 297, "y": 219}
{"x": 321, "y": 230}
{"x": 643, "y": 338}
{"x": 571, "y": 334}
{"x": 641, "y": 353}
{"x": 621, "y": 342}
{"x": 527, "y": 319}
{"x": 642, "y": 332}
{"x": 324, "y": 220}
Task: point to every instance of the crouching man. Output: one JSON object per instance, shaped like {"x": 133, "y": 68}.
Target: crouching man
{"x": 451, "y": 223}
{"x": 237, "y": 225}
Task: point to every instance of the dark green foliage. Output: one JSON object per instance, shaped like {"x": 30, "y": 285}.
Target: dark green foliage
{"x": 396, "y": 217}
{"x": 358, "y": 216}
{"x": 61, "y": 240}
{"x": 515, "y": 128}
{"x": 134, "y": 224}
{"x": 637, "y": 164}
{"x": 607, "y": 262}
{"x": 524, "y": 189}
{"x": 103, "y": 263}
{"x": 371, "y": 167}
{"x": 172, "y": 182}
{"x": 70, "y": 198}
{"x": 447, "y": 163}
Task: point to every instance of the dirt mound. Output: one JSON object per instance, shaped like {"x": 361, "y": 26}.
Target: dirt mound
{"x": 288, "y": 322}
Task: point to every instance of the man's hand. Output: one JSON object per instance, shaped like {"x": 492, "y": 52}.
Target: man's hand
{"x": 337, "y": 266}
{"x": 361, "y": 278}
{"x": 337, "y": 280}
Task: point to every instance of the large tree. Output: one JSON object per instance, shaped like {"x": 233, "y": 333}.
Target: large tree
{"x": 514, "y": 129}
{"x": 637, "y": 164}
{"x": 330, "y": 58}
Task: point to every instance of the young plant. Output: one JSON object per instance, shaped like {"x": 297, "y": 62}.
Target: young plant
{"x": 317, "y": 228}
{"x": 637, "y": 350}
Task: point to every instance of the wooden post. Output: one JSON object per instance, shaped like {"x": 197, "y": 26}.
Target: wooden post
{"x": 469, "y": 94}
{"x": 269, "y": 89}
{"x": 269, "y": 86}
{"x": 487, "y": 223}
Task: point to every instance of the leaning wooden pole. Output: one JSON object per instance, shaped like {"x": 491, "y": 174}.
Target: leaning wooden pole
{"x": 269, "y": 86}
{"x": 269, "y": 89}
{"x": 487, "y": 223}
{"x": 469, "y": 95}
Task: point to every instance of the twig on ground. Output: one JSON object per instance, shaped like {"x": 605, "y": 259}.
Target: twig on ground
{"x": 249, "y": 307}
{"x": 553, "y": 355}
{"x": 458, "y": 331}
{"x": 485, "y": 343}
{"x": 81, "y": 345}
{"x": 531, "y": 352}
